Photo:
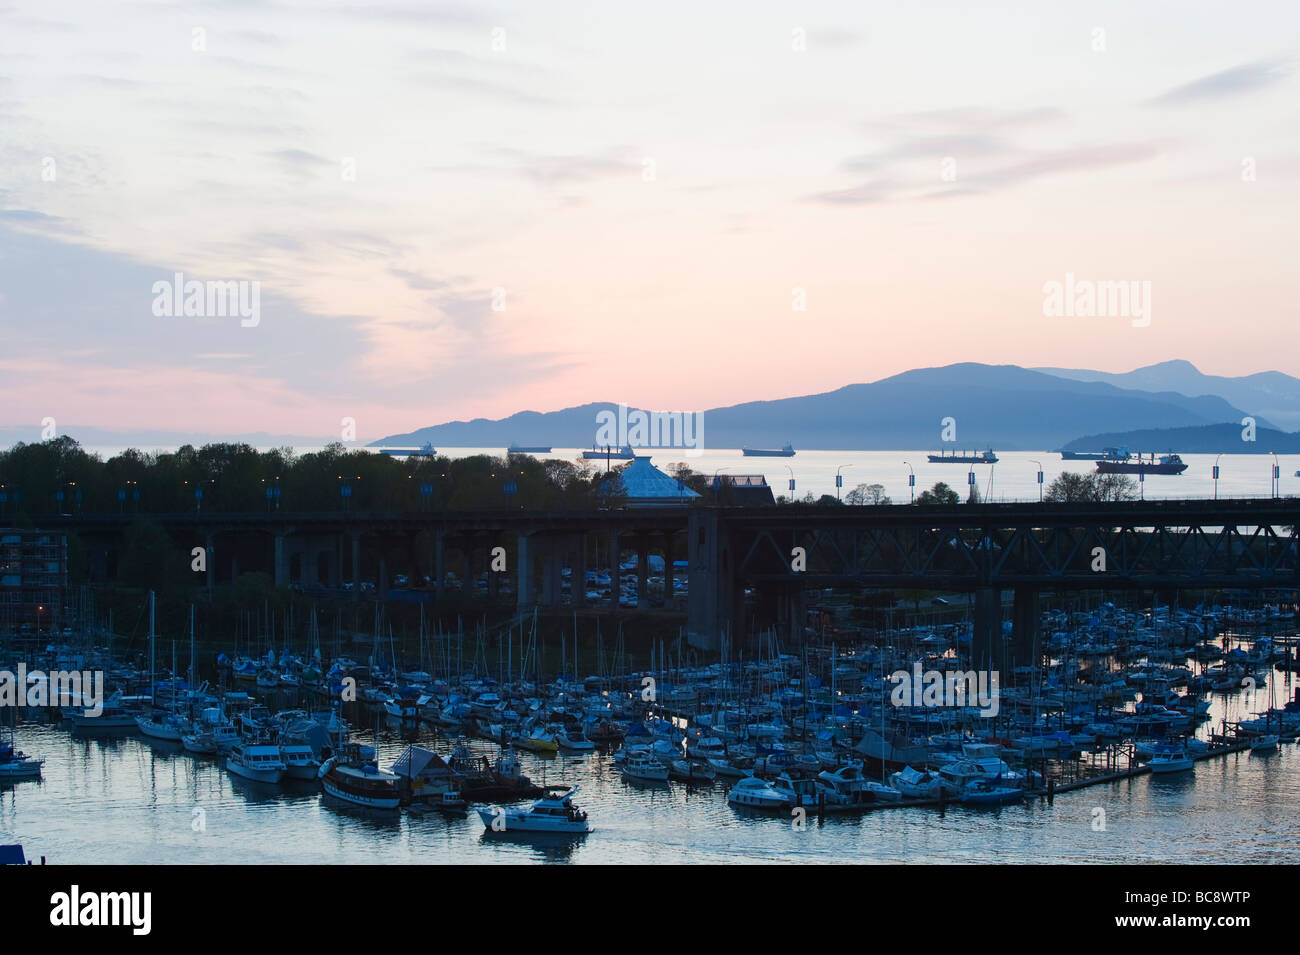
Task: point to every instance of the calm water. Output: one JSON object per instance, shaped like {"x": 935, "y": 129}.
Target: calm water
{"x": 129, "y": 801}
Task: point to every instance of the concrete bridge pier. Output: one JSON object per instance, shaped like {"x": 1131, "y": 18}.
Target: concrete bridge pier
{"x": 1025, "y": 624}
{"x": 356, "y": 565}
{"x": 986, "y": 640}
{"x": 524, "y": 570}
{"x": 614, "y": 554}
{"x": 578, "y": 582}
{"x": 642, "y": 573}
{"x": 714, "y": 592}
{"x": 281, "y": 560}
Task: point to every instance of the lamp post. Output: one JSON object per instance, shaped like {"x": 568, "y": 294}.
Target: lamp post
{"x": 1040, "y": 479}
{"x": 1214, "y": 472}
{"x": 839, "y": 481}
{"x": 345, "y": 489}
{"x": 791, "y": 470}
{"x": 911, "y": 483}
{"x": 1277, "y": 473}
{"x": 272, "y": 493}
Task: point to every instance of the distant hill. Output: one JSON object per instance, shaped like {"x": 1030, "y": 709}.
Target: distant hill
{"x": 1204, "y": 439}
{"x": 1267, "y": 395}
{"x": 1004, "y": 406}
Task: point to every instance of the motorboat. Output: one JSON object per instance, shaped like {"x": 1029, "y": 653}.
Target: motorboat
{"x": 689, "y": 771}
{"x": 1264, "y": 744}
{"x": 915, "y": 784}
{"x": 256, "y": 762}
{"x": 300, "y": 761}
{"x": 572, "y": 739}
{"x": 641, "y": 765}
{"x": 990, "y": 792}
{"x": 554, "y": 812}
{"x": 757, "y": 794}
{"x": 1171, "y": 758}
{"x": 352, "y": 776}
{"x": 536, "y": 739}
{"x": 15, "y": 764}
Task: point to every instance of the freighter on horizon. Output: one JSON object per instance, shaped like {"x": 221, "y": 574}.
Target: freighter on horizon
{"x": 1168, "y": 464}
{"x": 980, "y": 457}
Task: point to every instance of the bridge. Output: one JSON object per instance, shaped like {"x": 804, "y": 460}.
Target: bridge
{"x": 776, "y": 552}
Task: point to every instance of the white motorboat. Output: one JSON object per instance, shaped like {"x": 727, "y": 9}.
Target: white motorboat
{"x": 799, "y": 791}
{"x": 1171, "y": 759}
{"x": 256, "y": 762}
{"x": 555, "y": 812}
{"x": 572, "y": 739}
{"x": 15, "y": 764}
{"x": 162, "y": 725}
{"x": 300, "y": 761}
{"x": 1264, "y": 744}
{"x": 915, "y": 784}
{"x": 640, "y": 764}
{"x": 757, "y": 794}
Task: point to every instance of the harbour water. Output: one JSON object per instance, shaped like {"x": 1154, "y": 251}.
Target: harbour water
{"x": 129, "y": 800}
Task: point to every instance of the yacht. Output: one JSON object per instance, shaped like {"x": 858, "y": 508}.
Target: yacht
{"x": 640, "y": 764}
{"x": 915, "y": 784}
{"x": 757, "y": 794}
{"x": 300, "y": 761}
{"x": 554, "y": 812}
{"x": 256, "y": 762}
{"x": 1171, "y": 759}
{"x": 15, "y": 764}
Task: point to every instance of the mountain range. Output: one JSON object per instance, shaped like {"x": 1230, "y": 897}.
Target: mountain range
{"x": 1006, "y": 407}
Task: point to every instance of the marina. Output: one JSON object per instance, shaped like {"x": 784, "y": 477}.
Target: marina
{"x": 1128, "y": 703}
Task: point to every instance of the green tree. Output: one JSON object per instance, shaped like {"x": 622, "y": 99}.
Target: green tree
{"x": 941, "y": 493}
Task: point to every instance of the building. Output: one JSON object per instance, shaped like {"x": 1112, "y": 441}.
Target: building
{"x": 646, "y": 486}
{"x": 33, "y": 579}
{"x": 741, "y": 490}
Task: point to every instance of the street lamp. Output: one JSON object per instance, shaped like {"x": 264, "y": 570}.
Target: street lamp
{"x": 272, "y": 493}
{"x": 839, "y": 481}
{"x": 1214, "y": 472}
{"x": 911, "y": 483}
{"x": 1277, "y": 473}
{"x": 1040, "y": 479}
{"x": 791, "y": 470}
{"x": 717, "y": 488}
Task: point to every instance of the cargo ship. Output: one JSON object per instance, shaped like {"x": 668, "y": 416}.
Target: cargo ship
{"x": 526, "y": 449}
{"x": 1167, "y": 464}
{"x": 980, "y": 457}
{"x": 785, "y": 452}
{"x": 1105, "y": 454}
{"x": 624, "y": 453}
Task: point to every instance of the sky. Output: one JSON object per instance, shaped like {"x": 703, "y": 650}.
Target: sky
{"x": 466, "y": 210}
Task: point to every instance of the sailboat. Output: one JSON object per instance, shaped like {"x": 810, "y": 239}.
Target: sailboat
{"x": 155, "y": 723}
